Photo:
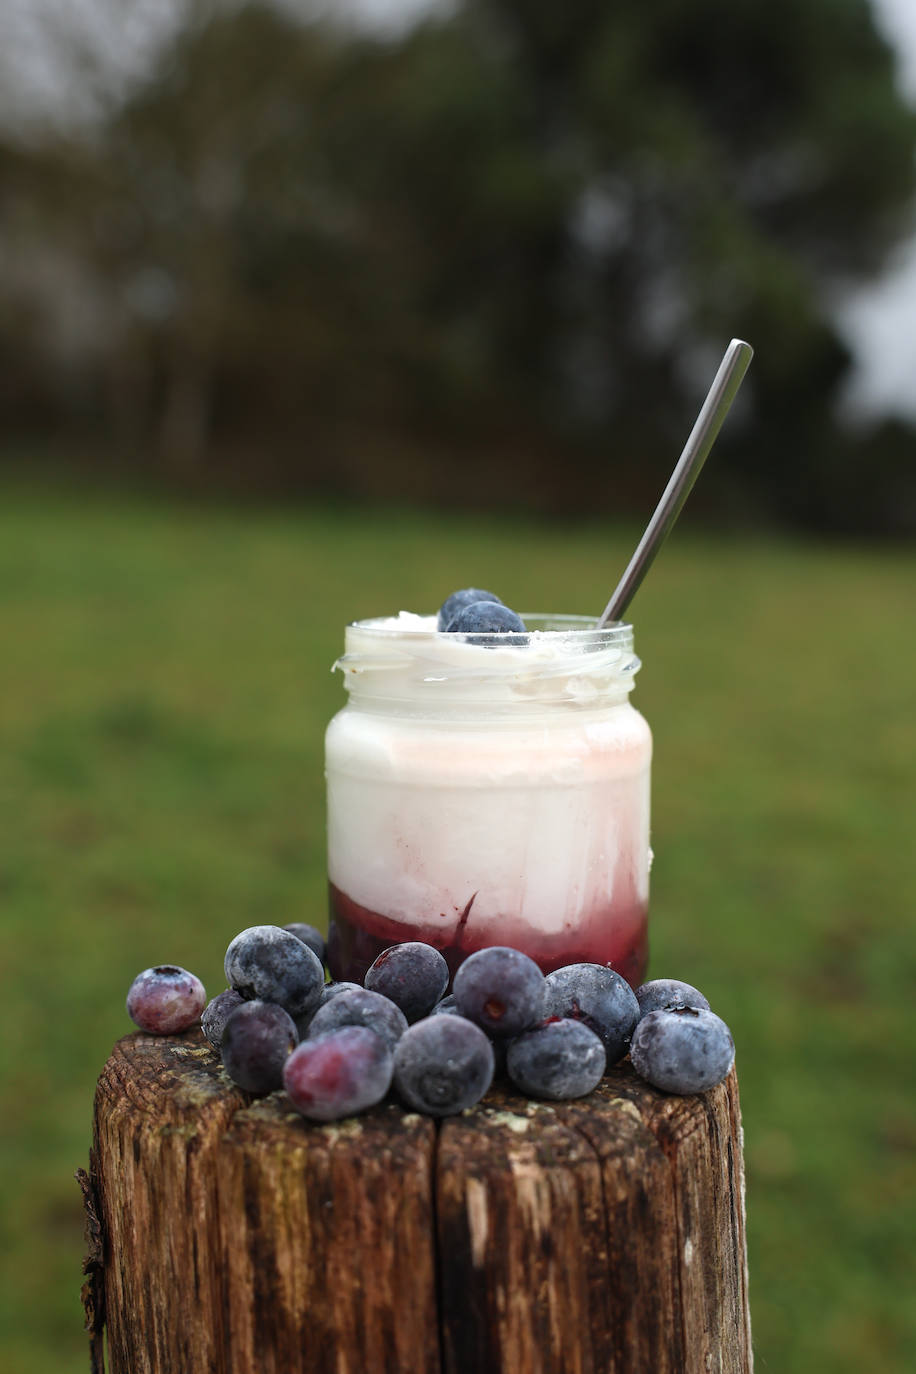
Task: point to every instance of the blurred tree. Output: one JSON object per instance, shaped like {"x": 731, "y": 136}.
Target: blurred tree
{"x": 519, "y": 234}
{"x": 602, "y": 195}
{"x": 201, "y": 225}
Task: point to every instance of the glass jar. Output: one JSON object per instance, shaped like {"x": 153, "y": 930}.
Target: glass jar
{"x": 489, "y": 790}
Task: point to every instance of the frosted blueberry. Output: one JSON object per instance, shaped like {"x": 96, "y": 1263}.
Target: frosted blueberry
{"x": 217, "y": 1012}
{"x": 597, "y": 996}
{"x": 442, "y": 1065}
{"x": 269, "y": 963}
{"x": 360, "y": 1007}
{"x": 683, "y": 1051}
{"x": 165, "y": 999}
{"x": 258, "y": 1038}
{"x": 500, "y": 989}
{"x": 327, "y": 992}
{"x": 310, "y": 936}
{"x": 485, "y": 618}
{"x": 413, "y": 975}
{"x": 458, "y": 600}
{"x": 559, "y": 1060}
{"x": 667, "y": 994}
{"x": 332, "y": 990}
{"x": 339, "y": 1073}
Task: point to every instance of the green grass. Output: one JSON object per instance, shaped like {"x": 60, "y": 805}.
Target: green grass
{"x": 164, "y": 690}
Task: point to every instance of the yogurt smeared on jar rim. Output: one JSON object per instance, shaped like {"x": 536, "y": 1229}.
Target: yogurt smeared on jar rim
{"x": 557, "y": 658}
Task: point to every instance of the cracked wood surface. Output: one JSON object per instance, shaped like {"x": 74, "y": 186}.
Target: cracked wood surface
{"x": 601, "y": 1236}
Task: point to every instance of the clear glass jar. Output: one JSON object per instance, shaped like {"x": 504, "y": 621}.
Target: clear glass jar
{"x": 489, "y": 789}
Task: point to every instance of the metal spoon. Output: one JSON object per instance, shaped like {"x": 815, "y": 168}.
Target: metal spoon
{"x": 702, "y": 437}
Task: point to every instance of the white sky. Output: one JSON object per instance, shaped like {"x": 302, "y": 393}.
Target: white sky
{"x": 878, "y": 322}
{"x": 898, "y": 20}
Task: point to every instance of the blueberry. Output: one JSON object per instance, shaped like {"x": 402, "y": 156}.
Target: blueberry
{"x": 683, "y": 1051}
{"x": 483, "y": 618}
{"x": 458, "y": 600}
{"x": 309, "y": 936}
{"x": 597, "y": 996}
{"x": 269, "y": 963}
{"x": 558, "y": 1060}
{"x": 500, "y": 989}
{"x": 331, "y": 990}
{"x": 339, "y": 1073}
{"x": 165, "y": 999}
{"x": 413, "y": 975}
{"x": 327, "y": 992}
{"x": 448, "y": 1007}
{"x": 361, "y": 1008}
{"x": 442, "y": 1065}
{"x": 217, "y": 1012}
{"x": 667, "y": 994}
{"x": 257, "y": 1041}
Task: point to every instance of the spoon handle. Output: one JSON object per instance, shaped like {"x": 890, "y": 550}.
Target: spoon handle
{"x": 702, "y": 437}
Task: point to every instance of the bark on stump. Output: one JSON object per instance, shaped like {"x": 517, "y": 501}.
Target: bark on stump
{"x": 229, "y": 1236}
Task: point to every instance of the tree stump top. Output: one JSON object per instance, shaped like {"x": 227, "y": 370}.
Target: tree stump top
{"x": 603, "y": 1234}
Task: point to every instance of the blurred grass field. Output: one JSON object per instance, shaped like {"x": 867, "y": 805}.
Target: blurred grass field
{"x": 164, "y": 691}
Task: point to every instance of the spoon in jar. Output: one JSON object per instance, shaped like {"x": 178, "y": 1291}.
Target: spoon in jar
{"x": 702, "y": 437}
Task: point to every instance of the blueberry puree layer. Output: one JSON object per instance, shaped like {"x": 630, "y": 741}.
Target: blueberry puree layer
{"x": 614, "y": 935}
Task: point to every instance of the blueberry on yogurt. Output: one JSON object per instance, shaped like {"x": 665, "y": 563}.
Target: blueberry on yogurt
{"x": 485, "y": 618}
{"x": 457, "y": 602}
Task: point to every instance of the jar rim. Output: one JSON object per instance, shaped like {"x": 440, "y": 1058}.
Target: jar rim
{"x": 552, "y": 627}
{"x": 557, "y": 657}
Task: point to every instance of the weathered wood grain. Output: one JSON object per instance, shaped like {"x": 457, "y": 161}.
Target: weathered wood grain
{"x": 602, "y": 1236}
{"x": 523, "y": 1243}
{"x": 327, "y": 1251}
{"x": 162, "y": 1107}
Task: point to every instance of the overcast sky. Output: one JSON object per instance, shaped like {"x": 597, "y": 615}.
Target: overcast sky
{"x": 878, "y": 322}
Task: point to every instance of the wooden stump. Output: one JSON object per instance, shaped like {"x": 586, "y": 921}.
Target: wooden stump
{"x": 229, "y": 1236}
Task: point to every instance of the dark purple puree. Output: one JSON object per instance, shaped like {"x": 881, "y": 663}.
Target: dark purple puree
{"x": 614, "y": 935}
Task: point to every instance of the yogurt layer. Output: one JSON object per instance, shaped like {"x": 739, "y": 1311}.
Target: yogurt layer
{"x": 546, "y": 828}
{"x": 513, "y": 778}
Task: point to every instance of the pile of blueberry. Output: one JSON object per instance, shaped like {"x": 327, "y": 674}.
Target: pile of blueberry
{"x": 473, "y": 610}
{"x": 338, "y": 1048}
